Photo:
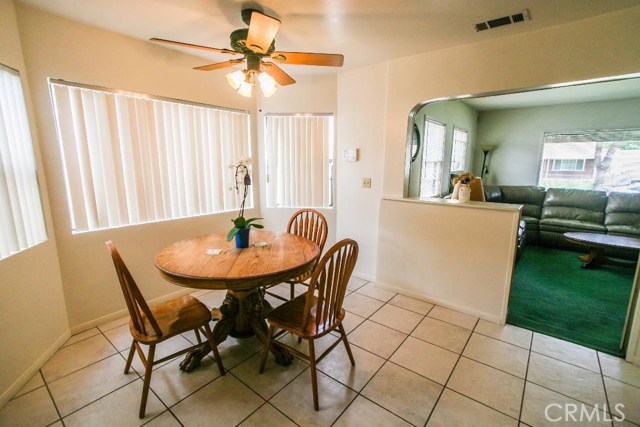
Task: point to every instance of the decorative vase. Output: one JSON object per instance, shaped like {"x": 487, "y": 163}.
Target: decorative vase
{"x": 464, "y": 194}
{"x": 242, "y": 238}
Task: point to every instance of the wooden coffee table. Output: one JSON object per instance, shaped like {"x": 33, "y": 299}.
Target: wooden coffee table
{"x": 597, "y": 243}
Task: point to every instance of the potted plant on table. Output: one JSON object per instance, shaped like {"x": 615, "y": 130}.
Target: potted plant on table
{"x": 241, "y": 225}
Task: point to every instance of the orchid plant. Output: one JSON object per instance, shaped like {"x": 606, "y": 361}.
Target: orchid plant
{"x": 242, "y": 179}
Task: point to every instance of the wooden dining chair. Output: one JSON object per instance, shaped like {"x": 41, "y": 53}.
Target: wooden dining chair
{"x": 312, "y": 225}
{"x": 153, "y": 325}
{"x": 318, "y": 311}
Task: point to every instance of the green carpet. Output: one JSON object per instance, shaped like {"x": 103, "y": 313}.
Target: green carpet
{"x": 552, "y": 295}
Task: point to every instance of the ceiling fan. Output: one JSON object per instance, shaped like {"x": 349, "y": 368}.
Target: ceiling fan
{"x": 255, "y": 44}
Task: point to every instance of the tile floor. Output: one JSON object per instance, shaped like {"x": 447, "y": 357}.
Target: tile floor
{"x": 416, "y": 364}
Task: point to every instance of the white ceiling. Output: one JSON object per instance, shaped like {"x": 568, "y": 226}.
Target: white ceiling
{"x": 364, "y": 31}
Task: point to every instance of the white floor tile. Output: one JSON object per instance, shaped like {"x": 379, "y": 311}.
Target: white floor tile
{"x": 76, "y": 356}
{"x": 119, "y": 408}
{"x": 545, "y": 408}
{"x": 566, "y": 352}
{"x": 426, "y": 359}
{"x": 507, "y": 333}
{"x": 454, "y": 409}
{"x": 361, "y": 305}
{"x": 81, "y": 336}
{"x": 296, "y": 400}
{"x": 442, "y": 334}
{"x": 373, "y": 291}
{"x": 412, "y": 304}
{"x": 338, "y": 366}
{"x": 267, "y": 416}
{"x": 376, "y": 338}
{"x": 626, "y": 395}
{"x": 453, "y": 317}
{"x": 31, "y": 409}
{"x": 397, "y": 318}
{"x": 395, "y": 389}
{"x": 224, "y": 402}
{"x": 364, "y": 413}
{"x": 499, "y": 354}
{"x": 494, "y": 388}
{"x": 620, "y": 369}
{"x": 274, "y": 378}
{"x": 172, "y": 385}
{"x": 35, "y": 382}
{"x": 578, "y": 383}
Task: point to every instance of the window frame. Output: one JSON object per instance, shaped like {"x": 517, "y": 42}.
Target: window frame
{"x": 167, "y": 134}
{"x": 438, "y": 174}
{"x": 22, "y": 212}
{"x": 273, "y": 188}
{"x": 465, "y": 150}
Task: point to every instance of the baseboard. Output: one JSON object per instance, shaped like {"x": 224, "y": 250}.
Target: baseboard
{"x": 33, "y": 369}
{"x": 122, "y": 313}
{"x": 442, "y": 303}
{"x": 363, "y": 276}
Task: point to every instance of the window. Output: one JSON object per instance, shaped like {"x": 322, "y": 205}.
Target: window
{"x": 21, "y": 219}
{"x": 567, "y": 165}
{"x": 431, "y": 179}
{"x": 593, "y": 160}
{"x": 299, "y": 160}
{"x": 131, "y": 159}
{"x": 459, "y": 150}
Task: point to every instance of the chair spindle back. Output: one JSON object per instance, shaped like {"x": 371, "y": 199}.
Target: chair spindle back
{"x": 133, "y": 297}
{"x": 310, "y": 224}
{"x": 329, "y": 284}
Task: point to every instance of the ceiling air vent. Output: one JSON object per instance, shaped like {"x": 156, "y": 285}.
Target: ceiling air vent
{"x": 505, "y": 20}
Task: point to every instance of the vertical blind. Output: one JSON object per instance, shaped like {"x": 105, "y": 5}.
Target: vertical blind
{"x": 21, "y": 218}
{"x": 132, "y": 159}
{"x": 299, "y": 160}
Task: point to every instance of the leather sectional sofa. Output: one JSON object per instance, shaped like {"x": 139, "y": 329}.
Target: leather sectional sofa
{"x": 548, "y": 214}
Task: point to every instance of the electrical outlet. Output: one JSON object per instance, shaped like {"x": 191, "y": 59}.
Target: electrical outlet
{"x": 366, "y": 182}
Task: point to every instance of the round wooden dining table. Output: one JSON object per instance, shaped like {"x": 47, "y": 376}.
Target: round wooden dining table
{"x": 212, "y": 262}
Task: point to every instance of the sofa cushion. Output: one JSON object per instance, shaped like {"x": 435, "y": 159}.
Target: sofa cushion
{"x": 492, "y": 194}
{"x": 575, "y": 205}
{"x": 559, "y": 225}
{"x": 529, "y": 196}
{"x": 622, "y": 215}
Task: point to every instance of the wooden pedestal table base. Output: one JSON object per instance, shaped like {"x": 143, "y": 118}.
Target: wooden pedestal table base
{"x": 597, "y": 244}
{"x": 241, "y": 315}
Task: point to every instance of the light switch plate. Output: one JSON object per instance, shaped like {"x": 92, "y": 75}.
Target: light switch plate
{"x": 366, "y": 182}
{"x": 351, "y": 154}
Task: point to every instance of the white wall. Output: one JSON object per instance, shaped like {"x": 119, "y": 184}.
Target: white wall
{"x": 32, "y": 308}
{"x": 362, "y": 104}
{"x": 517, "y": 133}
{"x": 310, "y": 94}
{"x": 60, "y": 48}
{"x": 450, "y": 254}
{"x": 608, "y": 45}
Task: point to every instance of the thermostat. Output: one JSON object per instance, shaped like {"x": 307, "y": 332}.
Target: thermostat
{"x": 351, "y": 154}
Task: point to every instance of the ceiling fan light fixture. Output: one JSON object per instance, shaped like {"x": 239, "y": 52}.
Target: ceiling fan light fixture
{"x": 245, "y": 89}
{"x": 267, "y": 84}
{"x": 236, "y": 79}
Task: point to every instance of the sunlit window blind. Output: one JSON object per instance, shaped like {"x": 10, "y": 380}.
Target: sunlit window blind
{"x": 299, "y": 160}
{"x": 432, "y": 162}
{"x": 132, "y": 159}
{"x": 21, "y": 218}
{"x": 459, "y": 150}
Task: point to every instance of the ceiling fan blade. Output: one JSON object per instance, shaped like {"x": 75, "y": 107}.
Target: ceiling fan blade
{"x": 277, "y": 73}
{"x": 219, "y": 65}
{"x": 262, "y": 30}
{"x": 195, "y": 46}
{"x": 308, "y": 58}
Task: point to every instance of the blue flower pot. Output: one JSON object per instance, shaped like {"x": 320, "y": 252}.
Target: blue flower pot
{"x": 242, "y": 238}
